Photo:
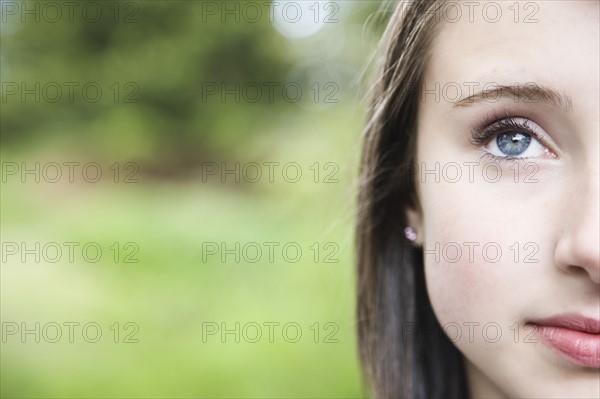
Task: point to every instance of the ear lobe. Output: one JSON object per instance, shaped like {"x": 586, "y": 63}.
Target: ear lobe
{"x": 415, "y": 221}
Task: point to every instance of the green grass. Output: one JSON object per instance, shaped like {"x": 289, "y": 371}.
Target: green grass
{"x": 171, "y": 293}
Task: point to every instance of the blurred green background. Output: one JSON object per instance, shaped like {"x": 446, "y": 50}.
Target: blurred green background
{"x": 162, "y": 97}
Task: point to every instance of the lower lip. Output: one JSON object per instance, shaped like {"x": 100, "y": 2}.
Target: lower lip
{"x": 578, "y": 347}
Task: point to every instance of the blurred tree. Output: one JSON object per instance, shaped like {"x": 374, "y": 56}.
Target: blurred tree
{"x": 158, "y": 64}
{"x": 180, "y": 81}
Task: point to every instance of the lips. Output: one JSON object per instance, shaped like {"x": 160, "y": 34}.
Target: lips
{"x": 575, "y": 337}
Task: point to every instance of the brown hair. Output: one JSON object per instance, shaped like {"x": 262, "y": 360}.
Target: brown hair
{"x": 402, "y": 346}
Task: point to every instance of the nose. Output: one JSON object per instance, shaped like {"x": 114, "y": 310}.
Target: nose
{"x": 578, "y": 248}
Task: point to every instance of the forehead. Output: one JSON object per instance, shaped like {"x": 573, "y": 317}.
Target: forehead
{"x": 499, "y": 41}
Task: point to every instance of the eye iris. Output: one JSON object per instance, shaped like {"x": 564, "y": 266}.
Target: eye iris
{"x": 513, "y": 143}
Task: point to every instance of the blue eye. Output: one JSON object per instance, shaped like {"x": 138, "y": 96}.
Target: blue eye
{"x": 512, "y": 138}
{"x": 513, "y": 144}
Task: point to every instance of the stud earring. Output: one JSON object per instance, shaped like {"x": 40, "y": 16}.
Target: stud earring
{"x": 410, "y": 234}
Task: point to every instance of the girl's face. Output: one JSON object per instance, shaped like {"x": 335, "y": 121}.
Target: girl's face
{"x": 508, "y": 181}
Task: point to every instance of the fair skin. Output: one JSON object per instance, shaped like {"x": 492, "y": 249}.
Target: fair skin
{"x": 552, "y": 204}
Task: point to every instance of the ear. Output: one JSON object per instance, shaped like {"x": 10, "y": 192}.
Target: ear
{"x": 415, "y": 220}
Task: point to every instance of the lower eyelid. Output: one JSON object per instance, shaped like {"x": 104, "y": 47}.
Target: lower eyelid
{"x": 501, "y": 160}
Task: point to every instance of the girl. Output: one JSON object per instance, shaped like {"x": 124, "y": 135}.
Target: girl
{"x": 478, "y": 228}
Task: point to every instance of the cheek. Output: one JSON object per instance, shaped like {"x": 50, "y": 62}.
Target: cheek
{"x": 459, "y": 289}
{"x": 471, "y": 241}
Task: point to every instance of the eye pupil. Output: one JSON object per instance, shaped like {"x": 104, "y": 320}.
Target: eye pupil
{"x": 513, "y": 144}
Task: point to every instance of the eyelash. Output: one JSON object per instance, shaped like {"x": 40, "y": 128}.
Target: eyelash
{"x": 484, "y": 132}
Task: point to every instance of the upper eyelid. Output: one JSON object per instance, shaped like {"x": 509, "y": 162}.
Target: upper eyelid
{"x": 481, "y": 135}
{"x": 505, "y": 125}
{"x": 513, "y": 121}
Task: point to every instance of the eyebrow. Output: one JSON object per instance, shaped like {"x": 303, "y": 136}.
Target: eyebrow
{"x": 526, "y": 93}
